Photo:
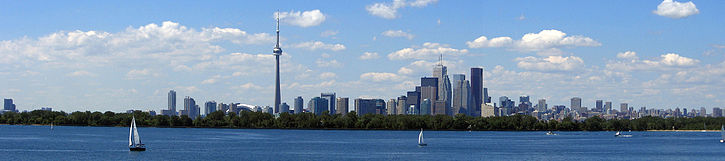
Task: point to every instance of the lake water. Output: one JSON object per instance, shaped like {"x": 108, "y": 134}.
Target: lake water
{"x": 110, "y": 143}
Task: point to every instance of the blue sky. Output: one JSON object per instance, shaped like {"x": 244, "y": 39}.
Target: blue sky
{"x": 119, "y": 55}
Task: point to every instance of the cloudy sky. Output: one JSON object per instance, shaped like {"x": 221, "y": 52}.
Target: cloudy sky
{"x": 108, "y": 55}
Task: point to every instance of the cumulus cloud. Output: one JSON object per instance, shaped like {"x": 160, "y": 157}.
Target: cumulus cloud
{"x": 672, "y": 60}
{"x": 427, "y": 51}
{"x": 544, "y": 42}
{"x": 380, "y": 77}
{"x": 390, "y": 10}
{"x": 663, "y": 62}
{"x": 302, "y": 19}
{"x": 369, "y": 55}
{"x": 398, "y": 33}
{"x": 317, "y": 45}
{"x": 627, "y": 55}
{"x": 550, "y": 63}
{"x": 211, "y": 80}
{"x": 676, "y": 10}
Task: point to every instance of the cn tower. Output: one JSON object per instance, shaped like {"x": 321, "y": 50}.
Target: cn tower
{"x": 277, "y": 52}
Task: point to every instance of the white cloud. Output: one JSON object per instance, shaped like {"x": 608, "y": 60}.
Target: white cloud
{"x": 550, "y": 63}
{"x": 369, "y": 55}
{"x": 211, "y": 80}
{"x": 302, "y": 19}
{"x": 248, "y": 86}
{"x": 139, "y": 74}
{"x": 483, "y": 42}
{"x": 676, "y": 10}
{"x": 398, "y": 33}
{"x": 390, "y": 10}
{"x": 673, "y": 60}
{"x": 80, "y": 73}
{"x": 627, "y": 55}
{"x": 405, "y": 71}
{"x": 315, "y": 45}
{"x": 380, "y": 77}
{"x": 427, "y": 51}
{"x": 663, "y": 62}
{"x": 544, "y": 42}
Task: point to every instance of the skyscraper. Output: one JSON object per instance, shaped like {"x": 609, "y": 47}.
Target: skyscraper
{"x": 716, "y": 112}
{"x": 542, "y": 105}
{"x": 624, "y": 107}
{"x": 576, "y": 104}
{"x": 330, "y": 100}
{"x": 476, "y": 89}
{"x": 298, "y": 104}
{"x": 277, "y": 52}
{"x": 190, "y": 108}
{"x": 402, "y": 108}
{"x": 284, "y": 108}
{"x": 172, "y": 102}
{"x": 599, "y": 106}
{"x": 8, "y": 105}
{"x": 425, "y": 107}
{"x": 444, "y": 87}
{"x": 318, "y": 105}
{"x": 342, "y": 106}
{"x": 428, "y": 90}
{"x": 461, "y": 95}
{"x": 391, "y": 108}
{"x": 369, "y": 106}
{"x": 209, "y": 107}
{"x": 413, "y": 100}
{"x": 608, "y": 107}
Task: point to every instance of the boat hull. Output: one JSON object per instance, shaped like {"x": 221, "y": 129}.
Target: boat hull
{"x": 137, "y": 149}
{"x": 422, "y": 144}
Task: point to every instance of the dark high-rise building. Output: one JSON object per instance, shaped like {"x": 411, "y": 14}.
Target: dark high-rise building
{"x": 624, "y": 107}
{"x": 298, "y": 104}
{"x": 330, "y": 100}
{"x": 599, "y": 106}
{"x": 413, "y": 99}
{"x": 284, "y": 108}
{"x": 477, "y": 89}
{"x": 209, "y": 107}
{"x": 342, "y": 106}
{"x": 461, "y": 95}
{"x": 486, "y": 97}
{"x": 318, "y": 105}
{"x": 429, "y": 81}
{"x": 8, "y": 105}
{"x": 369, "y": 106}
{"x": 428, "y": 90}
{"x": 716, "y": 112}
{"x": 425, "y": 107}
{"x": 576, "y": 104}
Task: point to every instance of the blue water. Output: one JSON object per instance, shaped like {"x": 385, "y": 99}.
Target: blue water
{"x": 110, "y": 143}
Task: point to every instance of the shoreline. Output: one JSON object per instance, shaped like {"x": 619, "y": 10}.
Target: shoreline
{"x": 361, "y": 129}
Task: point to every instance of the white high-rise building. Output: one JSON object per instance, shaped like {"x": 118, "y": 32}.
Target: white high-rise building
{"x": 444, "y": 85}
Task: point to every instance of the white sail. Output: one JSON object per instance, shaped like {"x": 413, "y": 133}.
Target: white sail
{"x": 722, "y": 131}
{"x": 130, "y": 132}
{"x": 136, "y": 138}
{"x": 420, "y": 137}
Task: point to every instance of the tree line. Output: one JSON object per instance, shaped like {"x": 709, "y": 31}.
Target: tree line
{"x": 248, "y": 119}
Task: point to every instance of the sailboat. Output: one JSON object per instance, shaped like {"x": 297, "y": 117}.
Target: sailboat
{"x": 51, "y": 126}
{"x": 420, "y": 139}
{"x": 134, "y": 141}
{"x": 722, "y": 133}
{"x": 551, "y": 133}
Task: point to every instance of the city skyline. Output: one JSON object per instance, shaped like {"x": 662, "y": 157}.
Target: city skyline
{"x": 87, "y": 63}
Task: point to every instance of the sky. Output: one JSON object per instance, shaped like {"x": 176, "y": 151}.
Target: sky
{"x": 120, "y": 55}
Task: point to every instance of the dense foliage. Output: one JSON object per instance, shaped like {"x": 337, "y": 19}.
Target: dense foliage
{"x": 248, "y": 119}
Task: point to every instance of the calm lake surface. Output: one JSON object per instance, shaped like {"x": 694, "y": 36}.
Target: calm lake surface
{"x": 110, "y": 143}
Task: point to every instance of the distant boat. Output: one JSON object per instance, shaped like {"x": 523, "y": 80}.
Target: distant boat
{"x": 619, "y": 134}
{"x": 551, "y": 133}
{"x": 134, "y": 141}
{"x": 722, "y": 133}
{"x": 420, "y": 139}
{"x": 51, "y": 126}
{"x": 469, "y": 128}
